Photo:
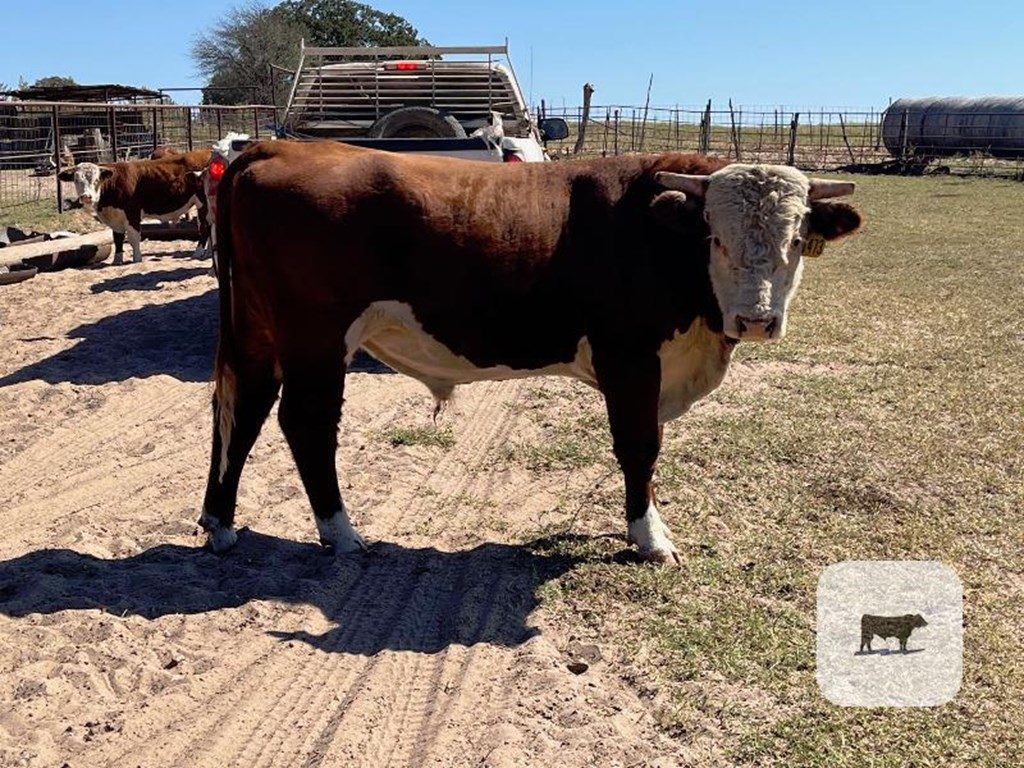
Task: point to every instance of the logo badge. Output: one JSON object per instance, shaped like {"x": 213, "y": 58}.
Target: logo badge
{"x": 890, "y": 633}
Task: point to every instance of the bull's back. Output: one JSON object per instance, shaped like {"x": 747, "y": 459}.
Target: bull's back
{"x": 885, "y": 626}
{"x": 476, "y": 250}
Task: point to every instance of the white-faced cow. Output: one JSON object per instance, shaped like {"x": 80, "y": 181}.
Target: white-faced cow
{"x": 637, "y": 275}
{"x": 121, "y": 194}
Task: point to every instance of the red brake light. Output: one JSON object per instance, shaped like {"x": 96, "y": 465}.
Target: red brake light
{"x": 217, "y": 168}
{"x": 404, "y": 66}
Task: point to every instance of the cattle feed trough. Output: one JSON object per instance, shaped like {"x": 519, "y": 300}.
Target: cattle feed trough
{"x": 637, "y": 275}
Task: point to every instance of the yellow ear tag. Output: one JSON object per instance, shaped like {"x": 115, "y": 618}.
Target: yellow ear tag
{"x": 814, "y": 246}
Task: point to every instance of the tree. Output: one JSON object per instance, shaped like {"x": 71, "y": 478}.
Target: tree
{"x": 347, "y": 23}
{"x": 238, "y": 52}
{"x": 53, "y": 81}
{"x": 236, "y": 55}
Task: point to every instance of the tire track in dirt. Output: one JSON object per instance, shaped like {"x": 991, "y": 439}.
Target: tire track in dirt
{"x": 250, "y": 680}
{"x": 241, "y": 689}
{"x": 273, "y": 702}
{"x": 79, "y": 451}
{"x": 388, "y": 721}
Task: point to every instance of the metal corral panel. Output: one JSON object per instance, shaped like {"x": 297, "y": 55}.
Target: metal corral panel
{"x": 945, "y": 126}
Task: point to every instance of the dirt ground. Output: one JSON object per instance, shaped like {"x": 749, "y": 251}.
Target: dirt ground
{"x": 124, "y": 643}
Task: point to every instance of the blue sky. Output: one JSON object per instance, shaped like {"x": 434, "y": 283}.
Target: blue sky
{"x": 787, "y": 52}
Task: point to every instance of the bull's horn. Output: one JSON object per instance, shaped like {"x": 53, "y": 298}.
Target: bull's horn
{"x": 822, "y": 189}
{"x": 684, "y": 182}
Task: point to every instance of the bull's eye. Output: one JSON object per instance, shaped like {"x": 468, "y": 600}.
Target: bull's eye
{"x": 798, "y": 242}
{"x": 716, "y": 242}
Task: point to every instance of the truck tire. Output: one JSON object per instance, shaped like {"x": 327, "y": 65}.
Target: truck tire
{"x": 417, "y": 123}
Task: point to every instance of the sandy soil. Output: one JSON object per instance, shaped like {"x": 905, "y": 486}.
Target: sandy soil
{"x": 124, "y": 643}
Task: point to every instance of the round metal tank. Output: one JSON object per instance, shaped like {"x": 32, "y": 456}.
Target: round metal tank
{"x": 955, "y": 126}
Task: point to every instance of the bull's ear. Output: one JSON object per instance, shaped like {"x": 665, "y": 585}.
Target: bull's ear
{"x": 68, "y": 174}
{"x": 834, "y": 220}
{"x": 676, "y": 211}
{"x": 106, "y": 173}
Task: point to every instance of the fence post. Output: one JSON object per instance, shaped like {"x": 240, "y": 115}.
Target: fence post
{"x": 735, "y": 133}
{"x": 156, "y": 132}
{"x": 581, "y": 134}
{"x": 616, "y": 131}
{"x": 791, "y": 158}
{"x": 604, "y": 138}
{"x": 220, "y": 131}
{"x": 112, "y": 127}
{"x": 188, "y": 127}
{"x": 846, "y": 139}
{"x": 56, "y": 153}
{"x": 255, "y": 122}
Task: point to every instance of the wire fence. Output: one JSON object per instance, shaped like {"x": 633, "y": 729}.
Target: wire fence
{"x": 811, "y": 139}
{"x": 37, "y": 139}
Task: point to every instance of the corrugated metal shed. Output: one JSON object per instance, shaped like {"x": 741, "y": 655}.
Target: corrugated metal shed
{"x": 104, "y": 93}
{"x": 945, "y": 126}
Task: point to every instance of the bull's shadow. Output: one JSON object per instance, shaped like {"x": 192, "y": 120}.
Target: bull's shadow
{"x": 147, "y": 281}
{"x": 176, "y": 338}
{"x": 391, "y": 597}
{"x": 888, "y": 652}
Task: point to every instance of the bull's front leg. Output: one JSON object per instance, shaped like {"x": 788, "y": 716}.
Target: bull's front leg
{"x": 118, "y": 248}
{"x": 631, "y": 389}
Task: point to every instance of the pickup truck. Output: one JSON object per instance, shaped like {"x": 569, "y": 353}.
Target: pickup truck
{"x": 405, "y": 99}
{"x": 414, "y": 92}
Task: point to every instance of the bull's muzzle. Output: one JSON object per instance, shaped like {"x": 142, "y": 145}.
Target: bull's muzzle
{"x": 754, "y": 329}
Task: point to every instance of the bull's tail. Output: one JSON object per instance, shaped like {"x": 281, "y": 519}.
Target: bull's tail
{"x": 225, "y": 380}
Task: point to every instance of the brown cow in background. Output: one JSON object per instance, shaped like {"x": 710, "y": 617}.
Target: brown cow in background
{"x": 121, "y": 194}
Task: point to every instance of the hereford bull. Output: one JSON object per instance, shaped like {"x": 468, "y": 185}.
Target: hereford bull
{"x": 885, "y": 627}
{"x": 636, "y": 275}
{"x": 121, "y": 194}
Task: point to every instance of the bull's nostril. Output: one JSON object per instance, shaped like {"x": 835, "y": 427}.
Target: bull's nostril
{"x": 770, "y": 328}
{"x": 741, "y": 326}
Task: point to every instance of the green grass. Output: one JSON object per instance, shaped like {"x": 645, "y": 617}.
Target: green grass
{"x": 886, "y": 426}
{"x": 578, "y": 440}
{"x": 42, "y": 216}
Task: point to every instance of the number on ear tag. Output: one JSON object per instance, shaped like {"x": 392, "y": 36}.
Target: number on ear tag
{"x": 814, "y": 246}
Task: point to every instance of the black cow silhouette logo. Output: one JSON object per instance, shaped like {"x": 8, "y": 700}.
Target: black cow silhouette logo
{"x": 889, "y": 626}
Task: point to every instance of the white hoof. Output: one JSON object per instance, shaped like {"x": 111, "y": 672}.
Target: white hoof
{"x": 221, "y": 539}
{"x": 337, "y": 532}
{"x": 218, "y": 538}
{"x": 651, "y": 537}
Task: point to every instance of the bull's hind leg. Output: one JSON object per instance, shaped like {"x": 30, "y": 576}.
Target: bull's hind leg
{"x": 309, "y": 414}
{"x": 241, "y": 404}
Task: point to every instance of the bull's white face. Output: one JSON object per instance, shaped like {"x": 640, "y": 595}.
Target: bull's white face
{"x": 87, "y": 179}
{"x": 759, "y": 218}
